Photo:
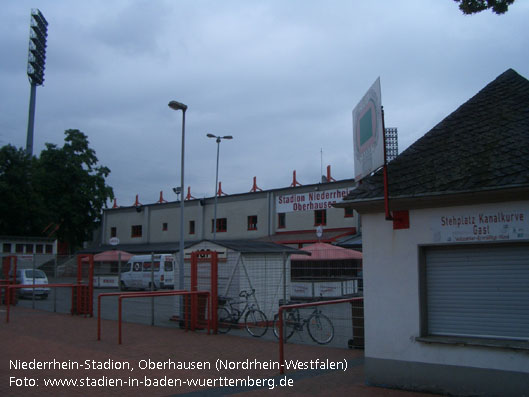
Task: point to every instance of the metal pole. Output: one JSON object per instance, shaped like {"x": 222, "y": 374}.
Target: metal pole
{"x": 55, "y": 280}
{"x": 284, "y": 278}
{"x": 216, "y": 193}
{"x": 180, "y": 106}
{"x": 152, "y": 287}
{"x": 119, "y": 271}
{"x": 181, "y": 264}
{"x": 385, "y": 171}
{"x": 33, "y": 289}
{"x": 31, "y": 120}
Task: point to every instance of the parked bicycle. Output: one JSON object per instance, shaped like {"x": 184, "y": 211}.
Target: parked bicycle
{"x": 228, "y": 315}
{"x": 319, "y": 326}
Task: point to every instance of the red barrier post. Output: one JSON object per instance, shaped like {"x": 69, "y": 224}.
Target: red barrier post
{"x": 194, "y": 287}
{"x": 16, "y": 286}
{"x": 100, "y": 296}
{"x": 8, "y": 301}
{"x": 149, "y": 294}
{"x": 214, "y": 290}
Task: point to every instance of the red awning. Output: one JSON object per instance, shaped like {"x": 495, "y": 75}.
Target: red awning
{"x": 326, "y": 252}
{"x": 111, "y": 256}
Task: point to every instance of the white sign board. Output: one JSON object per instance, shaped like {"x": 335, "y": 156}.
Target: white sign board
{"x": 489, "y": 225}
{"x": 106, "y": 281}
{"x": 311, "y": 201}
{"x": 368, "y": 133}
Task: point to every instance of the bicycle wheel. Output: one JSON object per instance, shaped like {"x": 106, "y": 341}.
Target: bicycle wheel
{"x": 256, "y": 322}
{"x": 289, "y": 325}
{"x": 224, "y": 320}
{"x": 320, "y": 328}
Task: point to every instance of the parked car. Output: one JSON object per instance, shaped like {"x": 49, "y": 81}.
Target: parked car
{"x": 25, "y": 276}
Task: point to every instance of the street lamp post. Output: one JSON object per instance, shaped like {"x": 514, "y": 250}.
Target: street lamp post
{"x": 180, "y": 106}
{"x": 218, "y": 139}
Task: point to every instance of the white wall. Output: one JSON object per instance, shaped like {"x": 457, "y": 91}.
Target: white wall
{"x": 391, "y": 290}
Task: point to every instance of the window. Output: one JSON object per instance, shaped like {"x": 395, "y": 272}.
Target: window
{"x": 113, "y": 231}
{"x": 281, "y": 220}
{"x": 165, "y": 226}
{"x": 49, "y": 249}
{"x": 320, "y": 217}
{"x": 135, "y": 231}
{"x": 475, "y": 291}
{"x": 6, "y": 248}
{"x": 252, "y": 222}
{"x": 191, "y": 227}
{"x": 222, "y": 225}
{"x": 348, "y": 212}
{"x": 147, "y": 266}
{"x": 168, "y": 265}
{"x": 19, "y": 248}
{"x": 39, "y": 248}
{"x": 29, "y": 248}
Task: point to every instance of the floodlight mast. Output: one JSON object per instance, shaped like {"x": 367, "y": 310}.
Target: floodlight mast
{"x": 36, "y": 63}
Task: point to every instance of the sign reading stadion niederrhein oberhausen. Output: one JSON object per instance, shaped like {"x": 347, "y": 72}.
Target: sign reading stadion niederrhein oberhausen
{"x": 311, "y": 201}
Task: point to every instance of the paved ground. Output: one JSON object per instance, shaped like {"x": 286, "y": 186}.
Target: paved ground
{"x": 38, "y": 338}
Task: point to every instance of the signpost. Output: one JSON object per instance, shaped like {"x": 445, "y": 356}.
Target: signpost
{"x": 368, "y": 132}
{"x": 369, "y": 138}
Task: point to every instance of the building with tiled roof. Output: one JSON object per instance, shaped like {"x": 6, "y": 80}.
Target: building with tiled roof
{"x": 482, "y": 148}
{"x": 446, "y": 283}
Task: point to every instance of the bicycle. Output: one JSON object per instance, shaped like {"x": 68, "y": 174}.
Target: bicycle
{"x": 319, "y": 326}
{"x": 228, "y": 315}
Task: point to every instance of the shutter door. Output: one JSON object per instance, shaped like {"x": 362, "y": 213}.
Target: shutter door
{"x": 478, "y": 291}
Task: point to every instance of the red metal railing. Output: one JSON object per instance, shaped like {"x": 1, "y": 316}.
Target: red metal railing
{"x": 100, "y": 296}
{"x": 194, "y": 306}
{"x": 16, "y": 286}
{"x": 300, "y": 306}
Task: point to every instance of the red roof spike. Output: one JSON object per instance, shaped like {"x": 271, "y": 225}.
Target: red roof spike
{"x": 115, "y": 205}
{"x": 255, "y": 187}
{"x": 137, "y": 202}
{"x": 189, "y": 197}
{"x": 294, "y": 180}
{"x": 220, "y": 192}
{"x": 329, "y": 177}
{"x": 161, "y": 198}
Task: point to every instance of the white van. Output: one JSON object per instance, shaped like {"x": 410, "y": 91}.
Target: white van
{"x": 138, "y": 274}
{"x": 25, "y": 276}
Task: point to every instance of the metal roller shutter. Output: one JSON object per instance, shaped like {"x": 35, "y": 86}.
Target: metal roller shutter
{"x": 478, "y": 291}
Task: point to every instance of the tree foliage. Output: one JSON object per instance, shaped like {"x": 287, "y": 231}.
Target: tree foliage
{"x": 475, "y": 6}
{"x": 64, "y": 190}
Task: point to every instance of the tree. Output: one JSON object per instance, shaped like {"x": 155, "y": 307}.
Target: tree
{"x": 20, "y": 204}
{"x": 64, "y": 190}
{"x": 74, "y": 187}
{"x": 475, "y": 6}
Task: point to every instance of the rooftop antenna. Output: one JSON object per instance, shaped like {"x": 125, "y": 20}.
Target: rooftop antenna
{"x": 321, "y": 164}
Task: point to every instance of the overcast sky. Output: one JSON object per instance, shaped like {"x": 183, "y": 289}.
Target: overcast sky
{"x": 281, "y": 76}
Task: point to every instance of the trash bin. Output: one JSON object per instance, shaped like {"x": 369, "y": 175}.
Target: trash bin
{"x": 357, "y": 316}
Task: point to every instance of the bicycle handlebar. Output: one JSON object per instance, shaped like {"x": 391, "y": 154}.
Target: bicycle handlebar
{"x": 246, "y": 294}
